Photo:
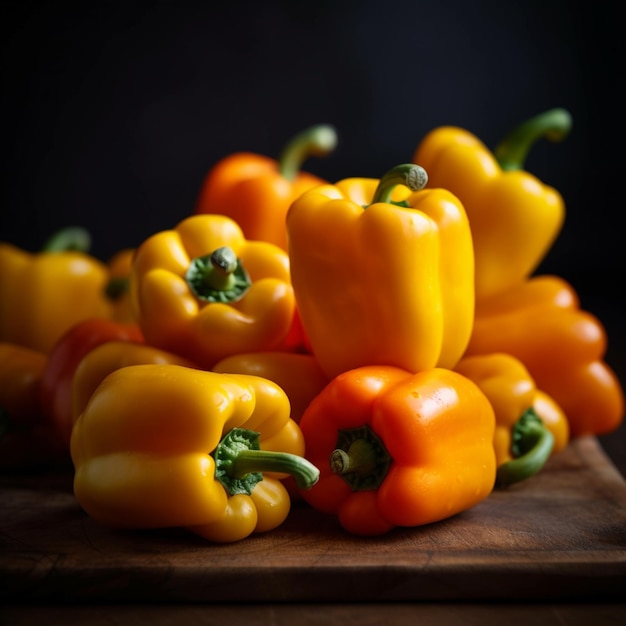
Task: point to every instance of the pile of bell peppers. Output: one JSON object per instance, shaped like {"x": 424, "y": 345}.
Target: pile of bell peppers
{"x": 378, "y": 349}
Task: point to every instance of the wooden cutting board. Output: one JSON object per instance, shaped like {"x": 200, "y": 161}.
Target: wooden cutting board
{"x": 559, "y": 536}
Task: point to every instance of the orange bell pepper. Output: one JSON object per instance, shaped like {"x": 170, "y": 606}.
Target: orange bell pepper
{"x": 56, "y": 389}
{"x": 530, "y": 426}
{"x": 399, "y": 449}
{"x": 540, "y": 322}
{"x": 514, "y": 217}
{"x": 298, "y": 375}
{"x": 256, "y": 191}
{"x": 202, "y": 290}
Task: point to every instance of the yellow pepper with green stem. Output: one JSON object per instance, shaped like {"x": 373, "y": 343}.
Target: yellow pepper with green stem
{"x": 530, "y": 425}
{"x": 44, "y": 294}
{"x": 163, "y": 445}
{"x": 204, "y": 291}
{"x": 514, "y": 217}
{"x": 383, "y": 272}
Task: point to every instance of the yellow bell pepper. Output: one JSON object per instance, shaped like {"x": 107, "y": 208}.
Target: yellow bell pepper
{"x": 388, "y": 284}
{"x": 514, "y": 217}
{"x": 43, "y": 294}
{"x": 205, "y": 292}
{"x": 107, "y": 357}
{"x": 163, "y": 445}
{"x": 530, "y": 425}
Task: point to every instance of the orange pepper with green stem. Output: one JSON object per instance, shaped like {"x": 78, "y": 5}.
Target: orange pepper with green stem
{"x": 530, "y": 426}
{"x": 399, "y": 449}
{"x": 204, "y": 291}
{"x": 162, "y": 445}
{"x": 256, "y": 191}
{"x": 540, "y": 322}
{"x": 383, "y": 272}
{"x": 43, "y": 294}
{"x": 514, "y": 217}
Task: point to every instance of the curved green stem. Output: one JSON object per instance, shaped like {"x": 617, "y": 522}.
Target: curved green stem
{"x": 408, "y": 174}
{"x": 360, "y": 458}
{"x": 240, "y": 463}
{"x": 70, "y": 238}
{"x": 317, "y": 141}
{"x": 218, "y": 276}
{"x": 532, "y": 446}
{"x": 512, "y": 151}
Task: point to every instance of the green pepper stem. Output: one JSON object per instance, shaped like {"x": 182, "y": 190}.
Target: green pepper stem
{"x": 512, "y": 151}
{"x": 360, "y": 458}
{"x": 218, "y": 276}
{"x": 317, "y": 140}
{"x": 535, "y": 444}
{"x": 240, "y": 463}
{"x": 249, "y": 461}
{"x": 72, "y": 238}
{"x": 408, "y": 174}
{"x": 222, "y": 264}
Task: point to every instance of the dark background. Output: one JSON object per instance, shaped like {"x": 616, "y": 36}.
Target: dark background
{"x": 113, "y": 112}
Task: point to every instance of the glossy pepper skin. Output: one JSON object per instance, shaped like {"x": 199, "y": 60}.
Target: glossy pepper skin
{"x": 298, "y": 375}
{"x": 27, "y": 439}
{"x": 530, "y": 426}
{"x": 419, "y": 447}
{"x": 107, "y": 357}
{"x": 383, "y": 272}
{"x": 514, "y": 217}
{"x": 56, "y": 388}
{"x": 204, "y": 291}
{"x": 540, "y": 322}
{"x": 256, "y": 191}
{"x": 43, "y": 294}
{"x": 162, "y": 445}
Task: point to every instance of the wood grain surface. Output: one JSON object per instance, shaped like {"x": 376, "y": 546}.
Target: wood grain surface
{"x": 560, "y": 536}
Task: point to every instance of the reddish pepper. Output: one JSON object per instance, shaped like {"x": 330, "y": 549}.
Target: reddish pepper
{"x": 27, "y": 440}
{"x": 58, "y": 376}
